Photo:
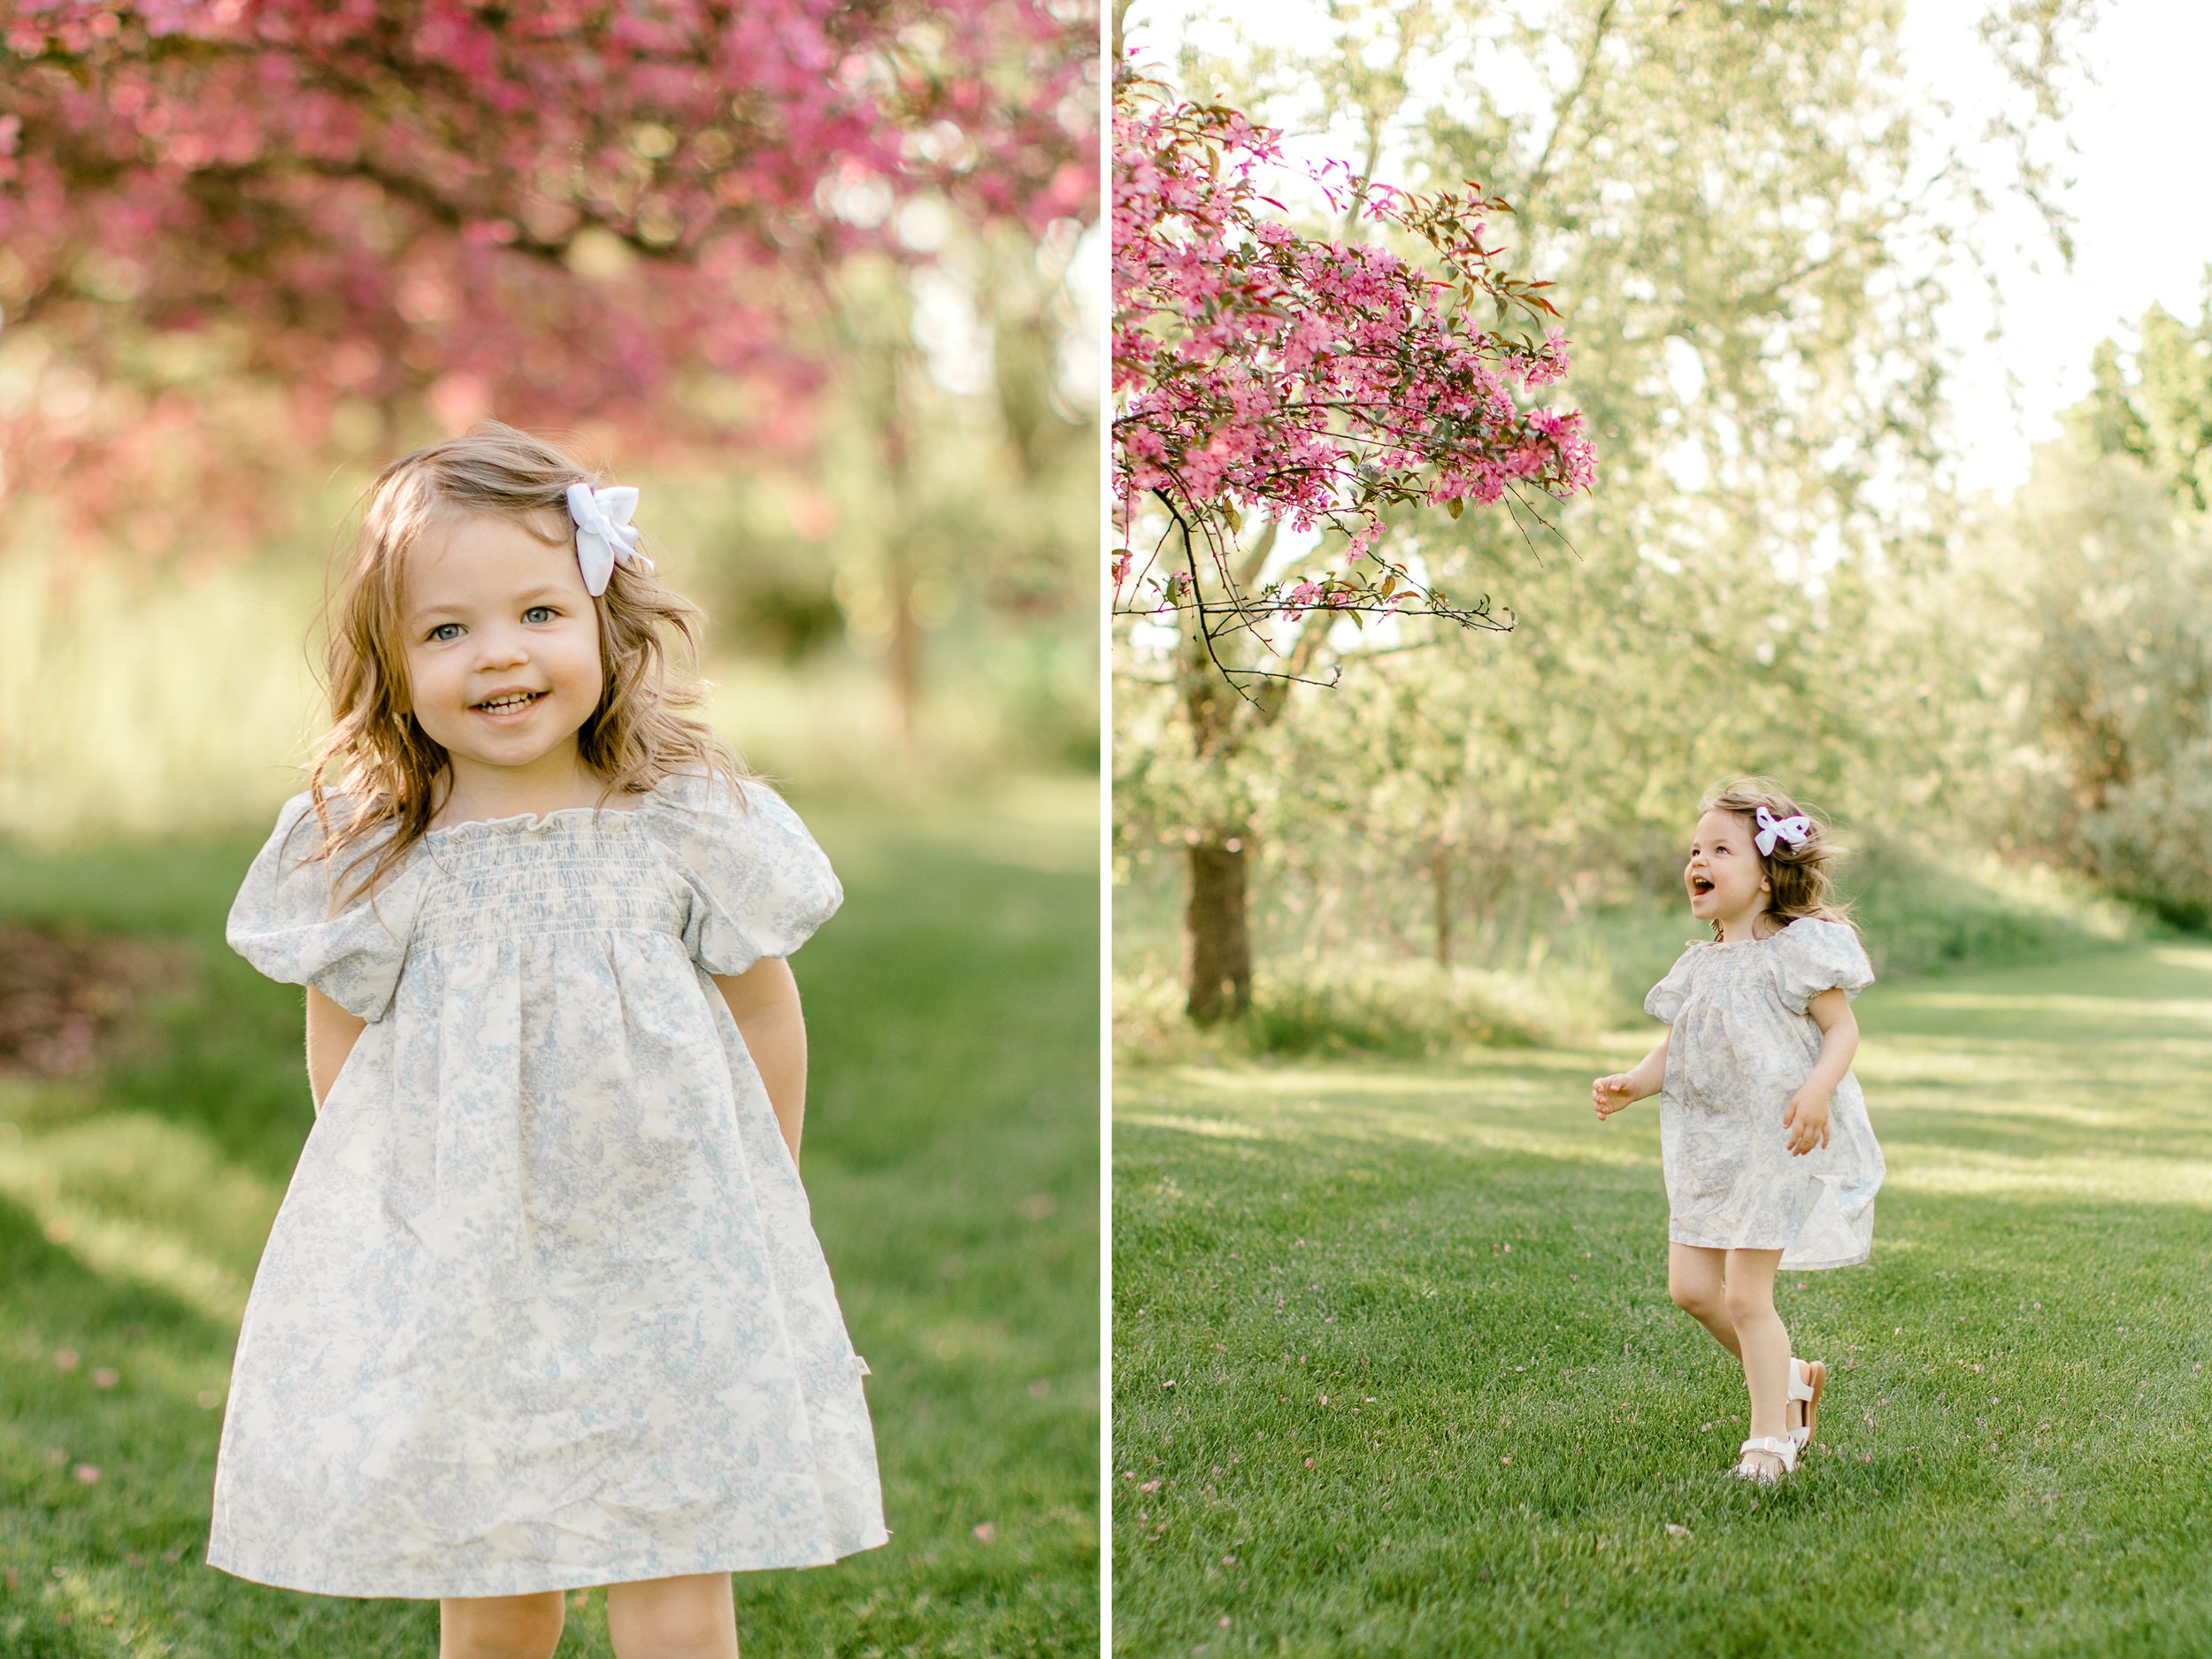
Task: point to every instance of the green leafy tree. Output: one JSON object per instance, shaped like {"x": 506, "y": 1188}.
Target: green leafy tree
{"x": 2089, "y": 600}
{"x": 1750, "y": 244}
{"x": 2154, "y": 403}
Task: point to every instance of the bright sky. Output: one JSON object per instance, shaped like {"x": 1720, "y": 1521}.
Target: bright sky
{"x": 2141, "y": 134}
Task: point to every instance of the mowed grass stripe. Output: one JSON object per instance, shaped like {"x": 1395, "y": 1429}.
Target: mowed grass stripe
{"x": 1471, "y": 1269}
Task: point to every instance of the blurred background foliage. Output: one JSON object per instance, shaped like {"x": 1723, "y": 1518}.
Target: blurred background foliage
{"x": 903, "y": 600}
{"x": 819, "y": 280}
{"x": 2003, "y": 705}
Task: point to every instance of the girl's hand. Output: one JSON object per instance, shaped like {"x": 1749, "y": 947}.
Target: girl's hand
{"x": 1609, "y": 1094}
{"x": 1807, "y": 1120}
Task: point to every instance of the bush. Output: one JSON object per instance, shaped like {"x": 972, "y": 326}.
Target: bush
{"x": 1919, "y": 914}
{"x": 2152, "y": 841}
{"x": 1372, "y": 1005}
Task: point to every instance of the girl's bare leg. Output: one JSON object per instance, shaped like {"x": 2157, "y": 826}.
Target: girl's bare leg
{"x": 690, "y": 1617}
{"x": 1695, "y": 1282}
{"x": 1762, "y": 1341}
{"x": 499, "y": 1626}
{"x": 1698, "y": 1280}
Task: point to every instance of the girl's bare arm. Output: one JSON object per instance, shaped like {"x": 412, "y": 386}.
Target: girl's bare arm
{"x": 1838, "y": 1038}
{"x": 765, "y": 1001}
{"x": 331, "y": 1035}
{"x": 1647, "y": 1076}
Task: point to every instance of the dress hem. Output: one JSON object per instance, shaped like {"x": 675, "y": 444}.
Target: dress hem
{"x": 1784, "y": 1266}
{"x": 1788, "y": 1266}
{"x": 525, "y": 1580}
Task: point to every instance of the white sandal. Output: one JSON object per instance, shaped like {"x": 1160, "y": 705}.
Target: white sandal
{"x": 1780, "y": 1446}
{"x": 1807, "y": 1379}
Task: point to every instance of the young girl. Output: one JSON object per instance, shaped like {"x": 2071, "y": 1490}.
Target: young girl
{"x": 543, "y": 1305}
{"x": 1768, "y": 1158}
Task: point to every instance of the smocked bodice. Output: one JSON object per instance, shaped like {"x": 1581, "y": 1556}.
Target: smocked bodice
{"x": 507, "y": 878}
{"x": 734, "y": 877}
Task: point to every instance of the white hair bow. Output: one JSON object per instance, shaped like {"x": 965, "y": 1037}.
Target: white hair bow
{"x": 1796, "y": 830}
{"x": 604, "y": 534}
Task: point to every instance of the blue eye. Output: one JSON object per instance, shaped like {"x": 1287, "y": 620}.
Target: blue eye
{"x": 549, "y": 610}
{"x": 438, "y": 633}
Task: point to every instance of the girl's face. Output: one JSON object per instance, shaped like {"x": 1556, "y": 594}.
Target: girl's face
{"x": 1724, "y": 877}
{"x": 502, "y": 641}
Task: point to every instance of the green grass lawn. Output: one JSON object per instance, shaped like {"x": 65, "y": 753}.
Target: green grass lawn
{"x": 951, "y": 1156}
{"x": 1395, "y": 1372}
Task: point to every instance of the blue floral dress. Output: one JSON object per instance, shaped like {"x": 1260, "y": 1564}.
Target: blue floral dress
{"x": 543, "y": 1305}
{"x": 1742, "y": 1044}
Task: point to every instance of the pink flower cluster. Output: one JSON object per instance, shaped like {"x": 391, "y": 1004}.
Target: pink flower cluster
{"x": 564, "y": 213}
{"x": 1258, "y": 370}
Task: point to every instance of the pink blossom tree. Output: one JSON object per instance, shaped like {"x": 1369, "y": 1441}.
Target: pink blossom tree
{"x": 1266, "y": 378}
{"x": 1260, "y": 373}
{"x": 227, "y": 230}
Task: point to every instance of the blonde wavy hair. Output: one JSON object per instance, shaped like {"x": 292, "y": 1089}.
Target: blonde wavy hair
{"x": 639, "y": 733}
{"x": 1802, "y": 879}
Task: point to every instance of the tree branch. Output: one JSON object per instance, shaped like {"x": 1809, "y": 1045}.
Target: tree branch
{"x": 1542, "y": 173}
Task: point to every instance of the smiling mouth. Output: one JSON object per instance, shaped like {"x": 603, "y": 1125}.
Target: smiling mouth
{"x": 1700, "y": 886}
{"x": 508, "y": 703}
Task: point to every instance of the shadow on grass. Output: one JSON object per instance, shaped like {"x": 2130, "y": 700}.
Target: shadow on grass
{"x": 2062, "y": 1068}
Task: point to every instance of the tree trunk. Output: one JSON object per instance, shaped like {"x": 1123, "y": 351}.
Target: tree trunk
{"x": 1441, "y": 886}
{"x": 1217, "y": 941}
{"x": 896, "y": 365}
{"x": 906, "y": 645}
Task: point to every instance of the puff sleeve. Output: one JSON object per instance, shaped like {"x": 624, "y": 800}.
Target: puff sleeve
{"x": 1812, "y": 956}
{"x": 759, "y": 885}
{"x": 1664, "y": 1000}
{"x": 282, "y": 920}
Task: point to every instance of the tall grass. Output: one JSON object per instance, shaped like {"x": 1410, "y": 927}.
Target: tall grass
{"x": 152, "y": 699}
{"x": 142, "y": 704}
{"x": 1538, "y": 973}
